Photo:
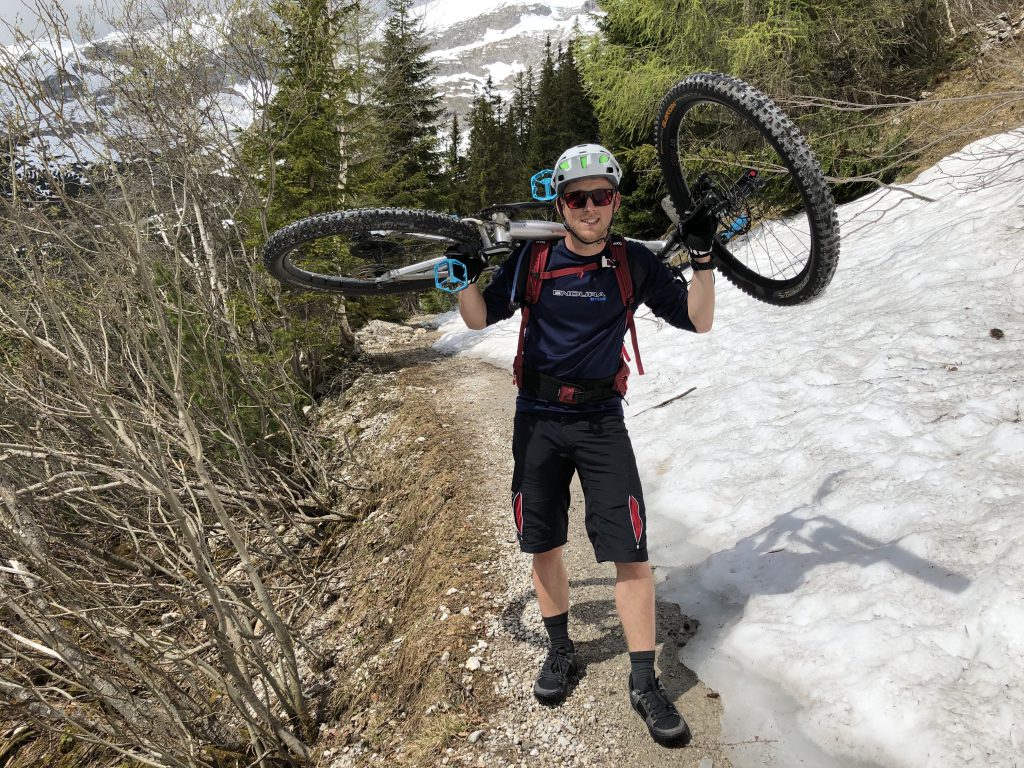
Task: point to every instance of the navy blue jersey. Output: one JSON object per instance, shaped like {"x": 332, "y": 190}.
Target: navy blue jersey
{"x": 577, "y": 326}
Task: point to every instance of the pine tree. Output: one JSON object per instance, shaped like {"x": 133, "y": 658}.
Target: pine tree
{"x": 545, "y": 143}
{"x": 565, "y": 114}
{"x": 299, "y": 155}
{"x": 583, "y": 126}
{"x": 518, "y": 129}
{"x": 301, "y": 148}
{"x": 485, "y": 166}
{"x": 454, "y": 173}
{"x": 406, "y": 170}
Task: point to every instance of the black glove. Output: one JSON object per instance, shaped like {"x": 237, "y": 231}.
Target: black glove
{"x": 698, "y": 228}
{"x": 469, "y": 256}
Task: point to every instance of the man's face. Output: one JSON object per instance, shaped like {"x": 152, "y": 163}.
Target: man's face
{"x": 591, "y": 221}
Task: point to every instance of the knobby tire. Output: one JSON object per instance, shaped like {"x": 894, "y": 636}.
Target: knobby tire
{"x": 775, "y": 278}
{"x": 398, "y": 237}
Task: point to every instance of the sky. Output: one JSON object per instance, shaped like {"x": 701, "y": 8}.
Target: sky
{"x": 23, "y": 14}
{"x": 840, "y": 500}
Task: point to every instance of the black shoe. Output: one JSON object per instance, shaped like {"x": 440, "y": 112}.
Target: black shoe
{"x": 663, "y": 720}
{"x": 552, "y": 684}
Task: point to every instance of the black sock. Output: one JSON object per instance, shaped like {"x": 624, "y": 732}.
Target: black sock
{"x": 558, "y": 630}
{"x": 641, "y": 664}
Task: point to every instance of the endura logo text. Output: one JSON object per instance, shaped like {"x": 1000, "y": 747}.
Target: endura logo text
{"x": 592, "y": 295}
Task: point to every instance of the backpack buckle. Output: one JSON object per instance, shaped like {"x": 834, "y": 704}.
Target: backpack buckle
{"x": 569, "y": 394}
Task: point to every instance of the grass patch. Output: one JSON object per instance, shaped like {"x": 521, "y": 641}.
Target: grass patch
{"x": 979, "y": 100}
{"x": 406, "y": 695}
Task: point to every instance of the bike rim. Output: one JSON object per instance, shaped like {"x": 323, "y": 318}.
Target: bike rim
{"x": 367, "y": 256}
{"x": 769, "y": 235}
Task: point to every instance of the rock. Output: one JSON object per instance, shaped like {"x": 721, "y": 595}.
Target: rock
{"x": 473, "y": 663}
{"x": 474, "y": 737}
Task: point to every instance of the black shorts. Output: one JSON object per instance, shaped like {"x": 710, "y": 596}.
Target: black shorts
{"x": 548, "y": 449}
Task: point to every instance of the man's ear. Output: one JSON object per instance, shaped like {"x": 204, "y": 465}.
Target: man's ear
{"x": 558, "y": 206}
{"x": 616, "y": 202}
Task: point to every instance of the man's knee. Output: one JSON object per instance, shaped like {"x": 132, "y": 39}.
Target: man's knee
{"x": 543, "y": 561}
{"x": 632, "y": 571}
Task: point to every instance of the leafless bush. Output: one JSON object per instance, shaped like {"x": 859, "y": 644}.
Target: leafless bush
{"x": 153, "y": 468}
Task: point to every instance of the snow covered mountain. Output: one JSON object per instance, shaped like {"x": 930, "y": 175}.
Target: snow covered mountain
{"x": 58, "y": 95}
{"x": 470, "y": 42}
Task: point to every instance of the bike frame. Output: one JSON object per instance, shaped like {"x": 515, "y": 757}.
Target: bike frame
{"x": 497, "y": 235}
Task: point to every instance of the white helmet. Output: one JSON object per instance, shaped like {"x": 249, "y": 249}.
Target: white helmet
{"x": 585, "y": 161}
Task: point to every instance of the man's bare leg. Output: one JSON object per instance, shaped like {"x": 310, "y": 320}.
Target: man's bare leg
{"x": 551, "y": 582}
{"x": 634, "y": 599}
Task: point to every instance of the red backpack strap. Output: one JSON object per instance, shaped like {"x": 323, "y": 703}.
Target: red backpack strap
{"x": 621, "y": 258}
{"x": 531, "y": 293}
{"x": 622, "y": 273}
{"x": 538, "y": 260}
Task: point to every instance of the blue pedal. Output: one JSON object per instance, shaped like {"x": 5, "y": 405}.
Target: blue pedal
{"x": 542, "y": 185}
{"x": 450, "y": 276}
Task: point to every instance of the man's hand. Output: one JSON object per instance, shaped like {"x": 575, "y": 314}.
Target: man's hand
{"x": 698, "y": 227}
{"x": 469, "y": 256}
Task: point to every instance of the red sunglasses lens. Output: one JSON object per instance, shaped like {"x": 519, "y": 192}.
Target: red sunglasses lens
{"x": 578, "y": 199}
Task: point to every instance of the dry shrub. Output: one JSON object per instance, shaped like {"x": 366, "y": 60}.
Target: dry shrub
{"x": 416, "y": 543}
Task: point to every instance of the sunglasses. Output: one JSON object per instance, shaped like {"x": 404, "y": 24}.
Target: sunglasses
{"x": 578, "y": 199}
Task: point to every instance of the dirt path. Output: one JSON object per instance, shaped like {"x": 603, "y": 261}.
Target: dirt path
{"x": 595, "y": 726}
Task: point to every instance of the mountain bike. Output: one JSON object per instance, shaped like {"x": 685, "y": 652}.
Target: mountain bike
{"x": 721, "y": 144}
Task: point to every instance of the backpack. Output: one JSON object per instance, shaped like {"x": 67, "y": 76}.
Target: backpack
{"x": 527, "y": 285}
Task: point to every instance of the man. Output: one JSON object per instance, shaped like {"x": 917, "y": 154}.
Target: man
{"x": 569, "y": 414}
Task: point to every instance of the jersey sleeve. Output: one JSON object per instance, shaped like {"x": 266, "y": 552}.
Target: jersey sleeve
{"x": 499, "y": 296}
{"x": 666, "y": 295}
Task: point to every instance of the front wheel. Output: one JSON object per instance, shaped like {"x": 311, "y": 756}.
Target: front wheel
{"x": 365, "y": 252}
{"x": 779, "y": 234}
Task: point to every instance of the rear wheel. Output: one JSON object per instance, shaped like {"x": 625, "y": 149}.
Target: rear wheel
{"x": 779, "y": 239}
{"x": 358, "y": 252}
